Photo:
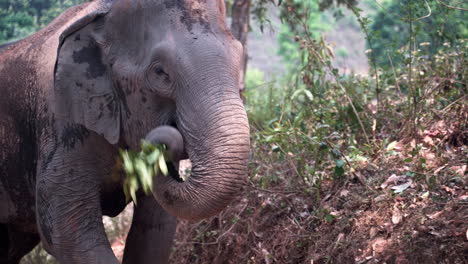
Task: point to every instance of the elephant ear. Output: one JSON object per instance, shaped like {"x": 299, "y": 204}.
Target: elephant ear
{"x": 84, "y": 89}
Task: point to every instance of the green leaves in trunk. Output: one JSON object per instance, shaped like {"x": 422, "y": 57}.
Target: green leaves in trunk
{"x": 140, "y": 167}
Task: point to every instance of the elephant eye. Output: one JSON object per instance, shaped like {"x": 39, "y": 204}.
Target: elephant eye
{"x": 158, "y": 75}
{"x": 159, "y": 71}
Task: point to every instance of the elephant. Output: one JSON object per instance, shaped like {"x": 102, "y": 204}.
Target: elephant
{"x": 99, "y": 78}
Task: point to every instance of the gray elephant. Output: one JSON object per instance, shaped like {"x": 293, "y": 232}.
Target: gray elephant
{"x": 100, "y": 77}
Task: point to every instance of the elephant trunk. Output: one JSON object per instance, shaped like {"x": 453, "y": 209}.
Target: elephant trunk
{"x": 217, "y": 142}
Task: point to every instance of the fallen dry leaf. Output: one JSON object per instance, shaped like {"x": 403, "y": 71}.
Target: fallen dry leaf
{"x": 439, "y": 169}
{"x": 344, "y": 193}
{"x": 428, "y": 140}
{"x": 435, "y": 215}
{"x": 380, "y": 198}
{"x": 340, "y": 237}
{"x": 391, "y": 180}
{"x": 460, "y": 170}
{"x": 463, "y": 197}
{"x": 304, "y": 214}
{"x": 379, "y": 245}
{"x": 425, "y": 195}
{"x": 448, "y": 189}
{"x": 373, "y": 232}
{"x": 397, "y": 216}
{"x": 400, "y": 188}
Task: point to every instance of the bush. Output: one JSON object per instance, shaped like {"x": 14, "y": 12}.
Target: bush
{"x": 20, "y": 18}
{"x": 392, "y": 30}
{"x": 316, "y": 125}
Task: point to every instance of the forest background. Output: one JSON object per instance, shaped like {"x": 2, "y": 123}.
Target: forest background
{"x": 358, "y": 111}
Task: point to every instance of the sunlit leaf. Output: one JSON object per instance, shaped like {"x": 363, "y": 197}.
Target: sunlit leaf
{"x": 153, "y": 157}
{"x": 391, "y": 146}
{"x": 127, "y": 162}
{"x": 141, "y": 167}
{"x": 308, "y": 94}
{"x": 275, "y": 148}
{"x": 339, "y": 163}
{"x": 162, "y": 165}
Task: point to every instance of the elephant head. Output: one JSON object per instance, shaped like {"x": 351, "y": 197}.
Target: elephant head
{"x": 126, "y": 67}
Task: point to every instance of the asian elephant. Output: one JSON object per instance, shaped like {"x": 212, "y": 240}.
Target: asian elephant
{"x": 101, "y": 77}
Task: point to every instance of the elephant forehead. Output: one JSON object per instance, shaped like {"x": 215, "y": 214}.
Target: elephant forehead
{"x": 183, "y": 4}
{"x": 193, "y": 12}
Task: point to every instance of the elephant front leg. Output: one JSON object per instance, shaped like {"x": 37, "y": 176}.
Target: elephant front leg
{"x": 68, "y": 205}
{"x": 150, "y": 237}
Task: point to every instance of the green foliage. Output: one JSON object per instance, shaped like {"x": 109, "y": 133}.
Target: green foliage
{"x": 254, "y": 78}
{"x": 260, "y": 97}
{"x": 260, "y": 7}
{"x": 308, "y": 125}
{"x": 392, "y": 31}
{"x": 310, "y": 134}
{"x": 290, "y": 32}
{"x": 141, "y": 167}
{"x": 260, "y": 10}
{"x": 317, "y": 125}
{"x": 325, "y": 4}
{"x": 20, "y": 18}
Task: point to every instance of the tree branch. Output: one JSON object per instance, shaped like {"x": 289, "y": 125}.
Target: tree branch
{"x": 449, "y": 6}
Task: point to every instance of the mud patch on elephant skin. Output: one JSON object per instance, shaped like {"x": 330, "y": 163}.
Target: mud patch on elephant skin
{"x": 192, "y": 13}
{"x": 92, "y": 56}
{"x": 73, "y": 134}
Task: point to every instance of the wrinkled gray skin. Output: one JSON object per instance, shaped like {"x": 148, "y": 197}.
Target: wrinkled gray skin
{"x": 101, "y": 77}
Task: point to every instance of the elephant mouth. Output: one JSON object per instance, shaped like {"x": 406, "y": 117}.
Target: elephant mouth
{"x": 177, "y": 159}
{"x": 179, "y": 171}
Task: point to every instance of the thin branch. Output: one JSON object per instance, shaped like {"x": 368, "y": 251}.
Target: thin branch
{"x": 330, "y": 70}
{"x": 372, "y": 59}
{"x": 351, "y": 168}
{"x": 449, "y": 6}
{"x": 394, "y": 74}
{"x": 458, "y": 2}
{"x": 454, "y": 102}
{"x": 410, "y": 68}
{"x": 426, "y": 16}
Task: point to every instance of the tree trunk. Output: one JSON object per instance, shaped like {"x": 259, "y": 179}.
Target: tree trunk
{"x": 240, "y": 28}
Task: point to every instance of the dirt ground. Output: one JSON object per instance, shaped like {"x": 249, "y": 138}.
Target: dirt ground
{"x": 383, "y": 213}
{"x": 356, "y": 225}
